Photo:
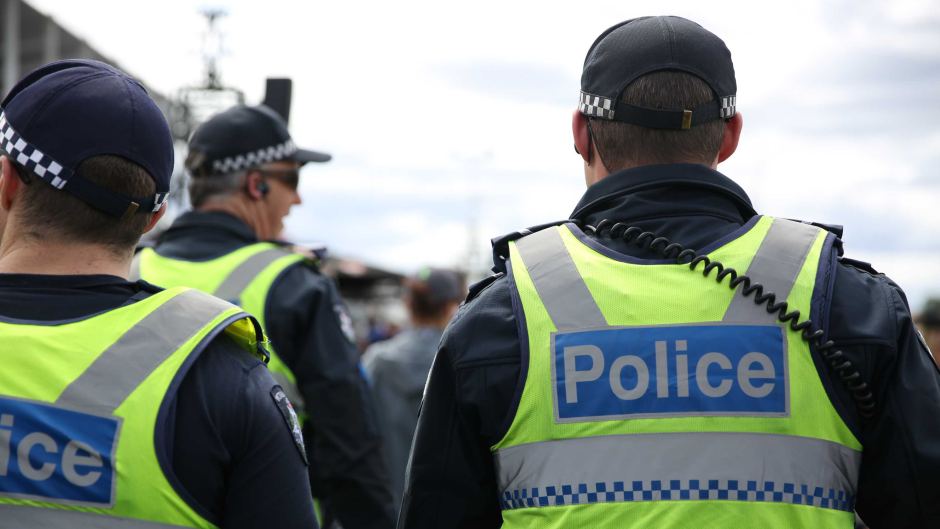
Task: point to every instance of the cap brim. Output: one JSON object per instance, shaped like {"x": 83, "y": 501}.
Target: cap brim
{"x": 304, "y": 156}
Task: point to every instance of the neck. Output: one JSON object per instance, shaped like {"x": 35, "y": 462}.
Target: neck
{"x": 434, "y": 322}
{"x": 248, "y": 212}
{"x": 53, "y": 258}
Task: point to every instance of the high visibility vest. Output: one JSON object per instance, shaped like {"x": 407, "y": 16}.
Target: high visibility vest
{"x": 654, "y": 397}
{"x": 79, "y": 406}
{"x": 243, "y": 277}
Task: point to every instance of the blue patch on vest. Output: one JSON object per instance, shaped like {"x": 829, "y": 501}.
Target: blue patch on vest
{"x": 55, "y": 454}
{"x": 690, "y": 370}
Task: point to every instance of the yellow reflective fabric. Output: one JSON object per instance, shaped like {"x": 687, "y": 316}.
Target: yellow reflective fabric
{"x": 631, "y": 294}
{"x": 208, "y": 276}
{"x": 41, "y": 361}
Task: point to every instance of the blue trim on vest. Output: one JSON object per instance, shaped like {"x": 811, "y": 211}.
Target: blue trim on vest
{"x": 523, "y": 332}
{"x": 165, "y": 460}
{"x": 682, "y": 490}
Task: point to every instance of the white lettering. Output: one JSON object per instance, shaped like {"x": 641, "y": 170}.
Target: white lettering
{"x": 682, "y": 369}
{"x": 662, "y": 371}
{"x": 88, "y": 457}
{"x": 44, "y": 471}
{"x": 573, "y": 376}
{"x": 642, "y": 377}
{"x": 746, "y": 374}
{"x": 701, "y": 375}
{"x": 6, "y": 422}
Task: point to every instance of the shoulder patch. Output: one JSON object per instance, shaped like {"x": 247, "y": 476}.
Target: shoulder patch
{"x": 345, "y": 322}
{"x": 290, "y": 419}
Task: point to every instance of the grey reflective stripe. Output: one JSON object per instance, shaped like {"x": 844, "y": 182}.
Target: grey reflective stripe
{"x": 238, "y": 279}
{"x": 123, "y": 366}
{"x": 23, "y": 516}
{"x": 134, "y": 273}
{"x": 290, "y": 389}
{"x": 775, "y": 266}
{"x": 559, "y": 284}
{"x": 679, "y": 466}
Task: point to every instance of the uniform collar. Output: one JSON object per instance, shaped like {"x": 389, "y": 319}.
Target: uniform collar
{"x": 653, "y": 182}
{"x": 211, "y": 220}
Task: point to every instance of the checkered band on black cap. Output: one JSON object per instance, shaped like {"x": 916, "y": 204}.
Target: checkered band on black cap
{"x": 261, "y": 156}
{"x": 728, "y": 106}
{"x": 30, "y": 157}
{"x": 597, "y": 106}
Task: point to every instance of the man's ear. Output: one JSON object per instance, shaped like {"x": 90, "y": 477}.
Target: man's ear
{"x": 729, "y": 142}
{"x": 582, "y": 137}
{"x": 10, "y": 183}
{"x": 155, "y": 218}
{"x": 255, "y": 186}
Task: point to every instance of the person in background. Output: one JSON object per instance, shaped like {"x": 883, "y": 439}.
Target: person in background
{"x": 398, "y": 367}
{"x": 929, "y": 323}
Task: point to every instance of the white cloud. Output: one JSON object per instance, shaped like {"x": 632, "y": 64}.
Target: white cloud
{"x": 426, "y": 107}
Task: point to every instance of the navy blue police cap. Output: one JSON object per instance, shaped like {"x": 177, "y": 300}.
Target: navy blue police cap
{"x": 68, "y": 111}
{"x": 243, "y": 137}
{"x": 644, "y": 45}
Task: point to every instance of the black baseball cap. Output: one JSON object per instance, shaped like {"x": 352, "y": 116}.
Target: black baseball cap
{"x": 440, "y": 284}
{"x": 643, "y": 45}
{"x": 243, "y": 137}
{"x": 68, "y": 111}
{"x": 930, "y": 317}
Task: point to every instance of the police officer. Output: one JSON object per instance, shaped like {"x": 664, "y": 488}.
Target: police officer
{"x": 121, "y": 405}
{"x": 245, "y": 172}
{"x": 601, "y": 379}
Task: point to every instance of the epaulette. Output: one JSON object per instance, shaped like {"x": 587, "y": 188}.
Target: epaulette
{"x": 481, "y": 285}
{"x": 859, "y": 265}
{"x": 313, "y": 255}
{"x": 501, "y": 244}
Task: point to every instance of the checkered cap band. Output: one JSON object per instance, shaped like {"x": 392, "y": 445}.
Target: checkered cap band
{"x": 597, "y": 106}
{"x": 30, "y": 157}
{"x": 261, "y": 156}
{"x": 728, "y": 106}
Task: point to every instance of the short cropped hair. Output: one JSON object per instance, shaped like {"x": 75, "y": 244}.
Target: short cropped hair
{"x": 50, "y": 213}
{"x": 622, "y": 145}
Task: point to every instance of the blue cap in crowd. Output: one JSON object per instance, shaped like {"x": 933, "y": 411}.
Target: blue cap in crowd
{"x": 68, "y": 111}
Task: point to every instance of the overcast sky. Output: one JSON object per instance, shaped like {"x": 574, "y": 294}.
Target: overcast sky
{"x": 450, "y": 122}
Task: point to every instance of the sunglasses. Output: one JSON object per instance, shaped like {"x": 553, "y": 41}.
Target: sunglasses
{"x": 289, "y": 177}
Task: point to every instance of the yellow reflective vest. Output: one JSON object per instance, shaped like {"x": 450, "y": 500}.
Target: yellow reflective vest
{"x": 243, "y": 277}
{"x": 654, "y": 397}
{"x": 79, "y": 402}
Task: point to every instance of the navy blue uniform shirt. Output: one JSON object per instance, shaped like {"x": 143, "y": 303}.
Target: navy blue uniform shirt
{"x": 477, "y": 378}
{"x": 222, "y": 442}
{"x": 303, "y": 314}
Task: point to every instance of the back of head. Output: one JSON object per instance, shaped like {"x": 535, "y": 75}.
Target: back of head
{"x": 655, "y": 90}
{"x": 47, "y": 214}
{"x": 93, "y": 150}
{"x": 929, "y": 318}
{"x": 433, "y": 292}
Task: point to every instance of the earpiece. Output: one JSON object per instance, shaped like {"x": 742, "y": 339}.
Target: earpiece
{"x": 262, "y": 188}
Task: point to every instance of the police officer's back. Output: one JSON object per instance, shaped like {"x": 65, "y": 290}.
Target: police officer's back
{"x": 121, "y": 404}
{"x": 245, "y": 172}
{"x": 613, "y": 373}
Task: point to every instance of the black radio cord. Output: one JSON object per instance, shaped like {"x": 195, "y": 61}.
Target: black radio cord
{"x": 837, "y": 361}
